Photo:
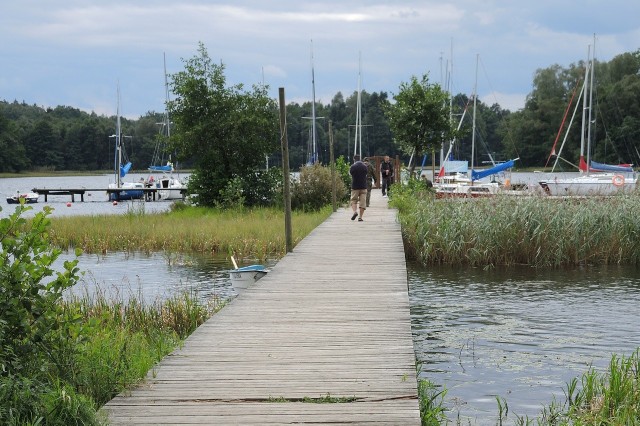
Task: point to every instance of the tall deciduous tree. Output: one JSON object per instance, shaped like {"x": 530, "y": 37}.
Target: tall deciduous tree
{"x": 227, "y": 130}
{"x": 419, "y": 118}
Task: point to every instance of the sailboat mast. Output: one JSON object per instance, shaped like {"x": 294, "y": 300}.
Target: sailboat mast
{"x": 314, "y": 155}
{"x": 118, "y": 141}
{"x": 593, "y": 65}
{"x": 473, "y": 131}
{"x": 166, "y": 95}
{"x": 585, "y": 105}
{"x": 357, "y": 144}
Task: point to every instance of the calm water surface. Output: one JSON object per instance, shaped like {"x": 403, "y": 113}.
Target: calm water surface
{"x": 520, "y": 334}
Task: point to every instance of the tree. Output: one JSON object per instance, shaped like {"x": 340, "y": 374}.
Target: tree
{"x": 226, "y": 130}
{"x": 419, "y": 118}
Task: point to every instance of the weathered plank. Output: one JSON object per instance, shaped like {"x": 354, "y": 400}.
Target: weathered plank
{"x": 331, "y": 319}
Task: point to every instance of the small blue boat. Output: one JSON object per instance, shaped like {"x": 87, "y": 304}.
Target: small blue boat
{"x": 242, "y": 278}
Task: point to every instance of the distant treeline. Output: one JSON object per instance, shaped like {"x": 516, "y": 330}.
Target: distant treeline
{"x": 65, "y": 138}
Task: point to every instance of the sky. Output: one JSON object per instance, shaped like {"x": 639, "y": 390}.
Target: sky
{"x": 77, "y": 52}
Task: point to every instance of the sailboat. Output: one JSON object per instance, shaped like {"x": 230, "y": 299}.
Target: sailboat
{"x": 312, "y": 148}
{"x": 464, "y": 186}
{"x": 596, "y": 178}
{"x": 120, "y": 190}
{"x": 169, "y": 186}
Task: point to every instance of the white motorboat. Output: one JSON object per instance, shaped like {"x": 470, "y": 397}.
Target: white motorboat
{"x": 28, "y": 197}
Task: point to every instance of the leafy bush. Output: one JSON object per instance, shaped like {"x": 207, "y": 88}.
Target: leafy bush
{"x": 313, "y": 190}
{"x": 37, "y": 336}
{"x": 31, "y": 319}
{"x": 342, "y": 170}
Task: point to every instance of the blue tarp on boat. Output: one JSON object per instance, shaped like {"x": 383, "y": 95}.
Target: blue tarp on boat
{"x": 125, "y": 169}
{"x": 479, "y": 174}
{"x": 610, "y": 168}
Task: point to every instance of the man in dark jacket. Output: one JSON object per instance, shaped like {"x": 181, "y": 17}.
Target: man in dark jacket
{"x": 371, "y": 175}
{"x": 358, "y": 172}
{"x": 386, "y": 168}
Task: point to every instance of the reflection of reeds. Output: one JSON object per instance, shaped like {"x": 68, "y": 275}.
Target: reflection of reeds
{"x": 255, "y": 233}
{"x": 538, "y": 231}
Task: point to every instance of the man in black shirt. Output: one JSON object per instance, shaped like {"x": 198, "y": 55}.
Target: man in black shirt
{"x": 358, "y": 172}
{"x": 386, "y": 168}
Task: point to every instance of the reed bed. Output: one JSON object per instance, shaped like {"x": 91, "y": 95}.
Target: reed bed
{"x": 114, "y": 343}
{"x": 598, "y": 398}
{"x": 124, "y": 339}
{"x": 539, "y": 231}
{"x": 257, "y": 232}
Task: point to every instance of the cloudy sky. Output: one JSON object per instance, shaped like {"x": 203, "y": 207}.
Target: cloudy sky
{"x": 76, "y": 52}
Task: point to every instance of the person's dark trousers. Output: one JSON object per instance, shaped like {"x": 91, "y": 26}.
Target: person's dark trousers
{"x": 386, "y": 183}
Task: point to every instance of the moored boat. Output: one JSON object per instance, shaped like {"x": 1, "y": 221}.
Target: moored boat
{"x": 601, "y": 184}
{"x": 28, "y": 197}
{"x": 242, "y": 278}
{"x": 596, "y": 179}
{"x": 120, "y": 190}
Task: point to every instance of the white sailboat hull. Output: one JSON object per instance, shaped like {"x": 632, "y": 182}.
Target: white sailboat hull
{"x": 171, "y": 188}
{"x": 591, "y": 185}
{"x": 466, "y": 190}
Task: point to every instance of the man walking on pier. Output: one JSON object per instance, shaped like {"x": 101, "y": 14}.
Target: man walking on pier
{"x": 387, "y": 175}
{"x": 358, "y": 173}
{"x": 371, "y": 176}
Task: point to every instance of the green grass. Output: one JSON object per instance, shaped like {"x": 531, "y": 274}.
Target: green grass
{"x": 115, "y": 344}
{"x": 257, "y": 232}
{"x": 538, "y": 231}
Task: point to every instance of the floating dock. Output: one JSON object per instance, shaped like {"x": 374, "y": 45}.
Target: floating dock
{"x": 150, "y": 193}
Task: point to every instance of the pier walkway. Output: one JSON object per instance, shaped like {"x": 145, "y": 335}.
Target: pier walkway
{"x": 330, "y": 322}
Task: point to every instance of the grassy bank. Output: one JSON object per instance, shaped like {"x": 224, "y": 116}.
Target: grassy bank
{"x": 113, "y": 346}
{"x": 538, "y": 231}
{"x": 255, "y": 232}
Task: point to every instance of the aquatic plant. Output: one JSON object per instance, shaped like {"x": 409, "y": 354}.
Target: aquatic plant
{"x": 538, "y": 231}
{"x": 256, "y": 232}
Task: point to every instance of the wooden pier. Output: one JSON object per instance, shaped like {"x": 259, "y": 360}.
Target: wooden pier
{"x": 324, "y": 338}
{"x": 150, "y": 193}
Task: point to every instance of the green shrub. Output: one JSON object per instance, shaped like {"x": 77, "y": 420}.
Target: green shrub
{"x": 32, "y": 324}
{"x": 313, "y": 190}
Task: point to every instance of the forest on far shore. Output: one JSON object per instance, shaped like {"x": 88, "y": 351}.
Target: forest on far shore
{"x": 33, "y": 138}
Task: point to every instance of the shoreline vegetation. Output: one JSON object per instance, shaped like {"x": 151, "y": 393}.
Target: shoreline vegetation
{"x": 256, "y": 233}
{"x": 540, "y": 232}
{"x": 113, "y": 344}
{"x": 537, "y": 231}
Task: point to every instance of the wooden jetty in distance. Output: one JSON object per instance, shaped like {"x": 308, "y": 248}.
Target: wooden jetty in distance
{"x": 324, "y": 338}
{"x": 150, "y": 193}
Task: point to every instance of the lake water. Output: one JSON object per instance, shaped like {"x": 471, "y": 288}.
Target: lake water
{"x": 95, "y": 202}
{"x": 520, "y": 334}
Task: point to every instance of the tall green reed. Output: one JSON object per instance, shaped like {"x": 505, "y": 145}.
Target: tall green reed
{"x": 504, "y": 230}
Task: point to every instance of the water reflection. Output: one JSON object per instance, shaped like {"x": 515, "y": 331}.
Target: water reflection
{"x": 519, "y": 333}
{"x": 154, "y": 276}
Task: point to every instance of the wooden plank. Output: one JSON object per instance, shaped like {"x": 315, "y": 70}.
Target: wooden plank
{"x": 330, "y": 319}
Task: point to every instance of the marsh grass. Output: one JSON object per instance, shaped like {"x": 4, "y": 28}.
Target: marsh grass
{"x": 598, "y": 398}
{"x": 114, "y": 344}
{"x": 125, "y": 339}
{"x": 257, "y": 232}
{"x": 538, "y": 231}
